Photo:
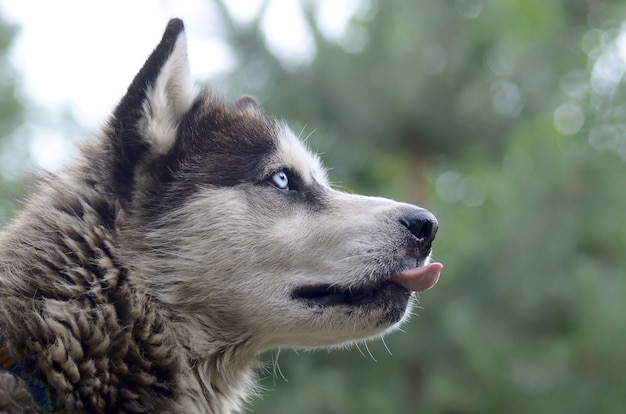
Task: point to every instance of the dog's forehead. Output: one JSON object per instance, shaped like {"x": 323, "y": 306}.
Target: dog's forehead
{"x": 229, "y": 145}
{"x": 293, "y": 154}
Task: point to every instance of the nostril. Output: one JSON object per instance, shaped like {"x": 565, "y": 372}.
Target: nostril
{"x": 423, "y": 231}
{"x": 422, "y": 224}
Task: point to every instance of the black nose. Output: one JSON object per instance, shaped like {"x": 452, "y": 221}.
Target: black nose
{"x": 423, "y": 225}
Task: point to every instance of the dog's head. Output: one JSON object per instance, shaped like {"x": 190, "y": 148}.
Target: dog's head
{"x": 231, "y": 223}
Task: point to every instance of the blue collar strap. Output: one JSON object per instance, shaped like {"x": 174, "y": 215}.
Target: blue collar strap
{"x": 39, "y": 388}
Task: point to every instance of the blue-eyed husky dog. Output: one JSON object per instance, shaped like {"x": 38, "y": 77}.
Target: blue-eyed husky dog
{"x": 189, "y": 237}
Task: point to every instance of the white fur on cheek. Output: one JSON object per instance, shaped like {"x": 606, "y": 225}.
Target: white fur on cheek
{"x": 169, "y": 98}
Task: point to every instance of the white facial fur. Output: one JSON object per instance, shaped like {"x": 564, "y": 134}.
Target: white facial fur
{"x": 235, "y": 256}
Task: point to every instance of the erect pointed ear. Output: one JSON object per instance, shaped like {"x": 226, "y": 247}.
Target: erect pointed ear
{"x": 147, "y": 118}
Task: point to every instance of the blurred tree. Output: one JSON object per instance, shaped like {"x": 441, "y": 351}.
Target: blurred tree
{"x": 10, "y": 119}
{"x": 507, "y": 119}
{"x": 433, "y": 77}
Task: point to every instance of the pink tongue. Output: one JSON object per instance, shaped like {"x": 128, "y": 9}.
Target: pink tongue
{"x": 419, "y": 278}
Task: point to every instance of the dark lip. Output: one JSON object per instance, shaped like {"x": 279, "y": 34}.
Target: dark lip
{"x": 377, "y": 293}
{"x": 328, "y": 295}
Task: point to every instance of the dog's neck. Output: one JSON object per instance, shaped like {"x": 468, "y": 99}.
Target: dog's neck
{"x": 216, "y": 376}
{"x": 75, "y": 316}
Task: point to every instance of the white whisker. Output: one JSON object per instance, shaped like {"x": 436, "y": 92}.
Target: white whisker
{"x": 277, "y": 366}
{"x": 308, "y": 136}
{"x": 360, "y": 350}
{"x": 382, "y": 338}
{"x": 369, "y": 352}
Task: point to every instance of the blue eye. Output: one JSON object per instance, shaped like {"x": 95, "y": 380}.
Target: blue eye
{"x": 280, "y": 180}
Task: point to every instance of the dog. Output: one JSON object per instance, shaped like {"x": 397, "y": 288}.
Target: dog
{"x": 190, "y": 236}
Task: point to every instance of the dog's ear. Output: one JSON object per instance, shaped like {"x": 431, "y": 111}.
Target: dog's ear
{"x": 247, "y": 103}
{"x": 146, "y": 120}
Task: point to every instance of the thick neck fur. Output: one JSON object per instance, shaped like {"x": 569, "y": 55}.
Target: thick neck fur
{"x": 216, "y": 379}
{"x": 70, "y": 302}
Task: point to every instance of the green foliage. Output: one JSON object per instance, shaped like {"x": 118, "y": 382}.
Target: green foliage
{"x": 533, "y": 291}
{"x": 10, "y": 119}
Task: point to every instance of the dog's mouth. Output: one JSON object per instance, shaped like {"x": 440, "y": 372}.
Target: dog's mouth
{"x": 400, "y": 284}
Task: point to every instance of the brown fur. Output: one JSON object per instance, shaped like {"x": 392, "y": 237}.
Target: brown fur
{"x": 146, "y": 277}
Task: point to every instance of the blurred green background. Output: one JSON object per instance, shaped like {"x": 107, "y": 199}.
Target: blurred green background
{"x": 505, "y": 118}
